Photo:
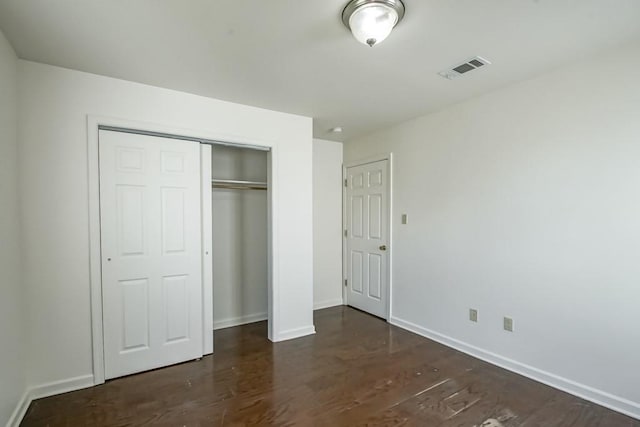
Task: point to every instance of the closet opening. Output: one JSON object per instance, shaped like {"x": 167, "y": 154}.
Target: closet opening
{"x": 240, "y": 235}
{"x": 154, "y": 206}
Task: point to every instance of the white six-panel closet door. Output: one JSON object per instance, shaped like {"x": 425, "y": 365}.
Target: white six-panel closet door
{"x": 151, "y": 244}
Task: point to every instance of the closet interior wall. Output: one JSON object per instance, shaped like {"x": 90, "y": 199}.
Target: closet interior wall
{"x": 240, "y": 233}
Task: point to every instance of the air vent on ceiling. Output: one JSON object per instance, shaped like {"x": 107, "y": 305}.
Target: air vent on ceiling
{"x": 463, "y": 68}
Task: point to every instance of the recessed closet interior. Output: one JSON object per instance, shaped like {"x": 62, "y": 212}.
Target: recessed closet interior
{"x": 240, "y": 235}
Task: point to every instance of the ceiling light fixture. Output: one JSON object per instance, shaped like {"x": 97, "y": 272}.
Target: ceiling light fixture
{"x": 371, "y": 21}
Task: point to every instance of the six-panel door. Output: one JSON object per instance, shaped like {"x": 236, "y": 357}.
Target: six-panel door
{"x": 151, "y": 243}
{"x": 367, "y": 237}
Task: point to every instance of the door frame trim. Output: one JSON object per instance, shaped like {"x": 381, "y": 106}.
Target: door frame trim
{"x": 94, "y": 122}
{"x": 366, "y": 160}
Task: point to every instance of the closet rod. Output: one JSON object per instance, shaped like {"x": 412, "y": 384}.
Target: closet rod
{"x": 238, "y": 185}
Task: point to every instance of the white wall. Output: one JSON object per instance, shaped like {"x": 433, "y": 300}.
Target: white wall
{"x": 240, "y": 270}
{"x": 53, "y": 108}
{"x": 327, "y": 223}
{"x": 525, "y": 202}
{"x": 12, "y": 330}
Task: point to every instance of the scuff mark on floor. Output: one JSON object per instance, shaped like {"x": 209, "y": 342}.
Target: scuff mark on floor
{"x": 491, "y": 422}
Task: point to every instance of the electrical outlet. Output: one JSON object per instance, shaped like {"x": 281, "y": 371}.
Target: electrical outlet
{"x": 473, "y": 314}
{"x": 508, "y": 324}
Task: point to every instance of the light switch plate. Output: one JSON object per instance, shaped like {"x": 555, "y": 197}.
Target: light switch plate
{"x": 508, "y": 324}
{"x": 473, "y": 314}
{"x": 405, "y": 218}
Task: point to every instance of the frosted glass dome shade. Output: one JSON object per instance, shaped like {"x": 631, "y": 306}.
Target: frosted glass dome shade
{"x": 372, "y": 23}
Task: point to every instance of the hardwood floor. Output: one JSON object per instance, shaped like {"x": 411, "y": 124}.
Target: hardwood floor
{"x": 357, "y": 370}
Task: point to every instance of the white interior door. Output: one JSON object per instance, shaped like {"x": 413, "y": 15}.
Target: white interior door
{"x": 151, "y": 251}
{"x": 367, "y": 225}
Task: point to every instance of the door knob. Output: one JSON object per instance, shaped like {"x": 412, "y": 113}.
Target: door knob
{"x": 383, "y": 248}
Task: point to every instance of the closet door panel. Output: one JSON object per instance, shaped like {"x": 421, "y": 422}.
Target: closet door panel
{"x": 151, "y": 249}
{"x": 131, "y": 219}
{"x": 173, "y": 220}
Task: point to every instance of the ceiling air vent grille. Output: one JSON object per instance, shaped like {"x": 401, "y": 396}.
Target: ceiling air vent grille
{"x": 463, "y": 68}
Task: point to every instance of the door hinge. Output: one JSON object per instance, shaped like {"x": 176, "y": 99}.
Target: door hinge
{"x": 345, "y": 183}
{"x": 345, "y": 282}
{"x": 346, "y": 233}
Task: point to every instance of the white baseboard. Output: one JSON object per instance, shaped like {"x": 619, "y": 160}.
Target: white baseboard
{"x": 21, "y": 409}
{"x": 599, "y": 397}
{"x": 327, "y": 303}
{"x": 583, "y": 391}
{"x": 237, "y": 321}
{"x": 46, "y": 390}
{"x": 63, "y": 386}
{"x": 295, "y": 333}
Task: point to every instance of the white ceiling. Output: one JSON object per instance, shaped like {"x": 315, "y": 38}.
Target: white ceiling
{"x": 296, "y": 56}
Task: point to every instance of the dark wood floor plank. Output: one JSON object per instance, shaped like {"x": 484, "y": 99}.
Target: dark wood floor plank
{"x": 356, "y": 371}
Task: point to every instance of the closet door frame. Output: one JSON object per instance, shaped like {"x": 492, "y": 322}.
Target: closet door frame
{"x": 95, "y": 259}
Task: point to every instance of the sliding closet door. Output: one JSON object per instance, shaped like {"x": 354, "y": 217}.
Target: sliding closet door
{"x": 151, "y": 251}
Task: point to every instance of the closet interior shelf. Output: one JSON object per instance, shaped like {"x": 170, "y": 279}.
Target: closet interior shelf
{"x": 238, "y": 185}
